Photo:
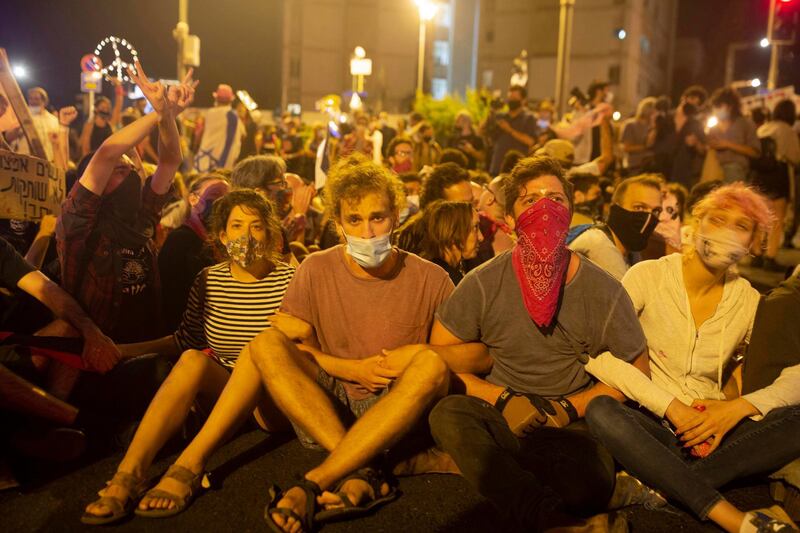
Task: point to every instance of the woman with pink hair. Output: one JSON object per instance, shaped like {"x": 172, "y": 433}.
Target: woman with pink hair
{"x": 692, "y": 434}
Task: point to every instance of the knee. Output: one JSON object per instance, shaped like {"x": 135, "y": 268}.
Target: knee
{"x": 431, "y": 373}
{"x": 266, "y": 349}
{"x": 601, "y": 410}
{"x": 449, "y": 417}
{"x": 192, "y": 362}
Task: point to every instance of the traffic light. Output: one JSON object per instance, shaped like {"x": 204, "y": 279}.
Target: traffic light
{"x": 784, "y": 24}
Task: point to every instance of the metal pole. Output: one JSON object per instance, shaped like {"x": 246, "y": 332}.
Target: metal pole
{"x": 91, "y": 105}
{"x": 730, "y": 57}
{"x": 564, "y": 45}
{"x": 421, "y": 58}
{"x": 772, "y": 78}
{"x": 180, "y": 33}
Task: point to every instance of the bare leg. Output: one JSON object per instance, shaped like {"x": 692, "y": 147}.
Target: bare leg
{"x": 424, "y": 380}
{"x": 288, "y": 372}
{"x": 194, "y": 375}
{"x": 726, "y": 516}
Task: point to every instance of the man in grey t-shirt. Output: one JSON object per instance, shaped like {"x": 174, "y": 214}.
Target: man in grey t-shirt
{"x": 517, "y": 435}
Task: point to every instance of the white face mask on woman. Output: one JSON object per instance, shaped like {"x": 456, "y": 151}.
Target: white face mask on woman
{"x": 369, "y": 253}
{"x": 719, "y": 248}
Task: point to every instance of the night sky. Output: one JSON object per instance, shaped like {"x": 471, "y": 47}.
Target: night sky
{"x": 241, "y": 40}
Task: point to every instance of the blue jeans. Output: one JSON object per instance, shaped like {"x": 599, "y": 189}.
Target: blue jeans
{"x": 651, "y": 452}
{"x": 525, "y": 479}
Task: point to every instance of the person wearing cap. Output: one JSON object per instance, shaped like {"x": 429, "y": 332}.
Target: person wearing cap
{"x": 563, "y": 151}
{"x": 220, "y": 133}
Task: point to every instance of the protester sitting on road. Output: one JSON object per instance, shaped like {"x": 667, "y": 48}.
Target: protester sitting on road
{"x": 229, "y": 304}
{"x": 517, "y": 436}
{"x": 105, "y": 231}
{"x": 185, "y": 252}
{"x": 635, "y": 209}
{"x": 734, "y": 136}
{"x": 400, "y": 155}
{"x": 452, "y": 235}
{"x": 497, "y": 235}
{"x": 696, "y": 312}
{"x": 452, "y": 155}
{"x": 357, "y": 300}
{"x": 587, "y": 199}
{"x": 773, "y": 356}
{"x": 447, "y": 181}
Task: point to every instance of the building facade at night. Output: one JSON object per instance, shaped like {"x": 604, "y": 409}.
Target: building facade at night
{"x": 472, "y": 43}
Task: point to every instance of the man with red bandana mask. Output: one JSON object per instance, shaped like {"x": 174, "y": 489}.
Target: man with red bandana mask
{"x": 518, "y": 436}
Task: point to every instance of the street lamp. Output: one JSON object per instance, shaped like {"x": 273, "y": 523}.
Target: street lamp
{"x": 764, "y": 42}
{"x": 427, "y": 10}
{"x": 20, "y": 71}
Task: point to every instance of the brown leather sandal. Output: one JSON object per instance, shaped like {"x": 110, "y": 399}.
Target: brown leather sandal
{"x": 182, "y": 475}
{"x": 118, "y": 508}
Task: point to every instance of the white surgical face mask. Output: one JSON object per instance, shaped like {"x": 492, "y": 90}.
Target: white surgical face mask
{"x": 609, "y": 97}
{"x": 413, "y": 199}
{"x": 369, "y": 253}
{"x": 35, "y": 109}
{"x": 719, "y": 249}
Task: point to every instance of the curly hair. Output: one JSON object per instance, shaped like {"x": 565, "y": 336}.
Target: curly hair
{"x": 356, "y": 176}
{"x": 530, "y": 168}
{"x": 252, "y": 203}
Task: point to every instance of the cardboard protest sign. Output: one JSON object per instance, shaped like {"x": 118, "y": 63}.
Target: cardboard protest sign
{"x": 30, "y": 187}
{"x": 10, "y": 92}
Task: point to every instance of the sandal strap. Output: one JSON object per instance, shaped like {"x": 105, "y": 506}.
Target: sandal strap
{"x": 183, "y": 475}
{"x": 125, "y": 480}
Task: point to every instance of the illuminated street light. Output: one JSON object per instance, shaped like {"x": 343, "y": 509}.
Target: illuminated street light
{"x": 360, "y": 52}
{"x": 427, "y": 10}
{"x": 621, "y": 34}
{"x": 616, "y": 115}
{"x": 755, "y": 82}
{"x": 764, "y": 42}
{"x": 20, "y": 71}
{"x": 712, "y": 121}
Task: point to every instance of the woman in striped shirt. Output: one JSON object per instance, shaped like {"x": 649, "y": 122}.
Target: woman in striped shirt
{"x": 229, "y": 304}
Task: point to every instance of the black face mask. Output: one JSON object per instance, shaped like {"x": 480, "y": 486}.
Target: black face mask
{"x": 591, "y": 209}
{"x": 632, "y": 228}
{"x": 513, "y": 105}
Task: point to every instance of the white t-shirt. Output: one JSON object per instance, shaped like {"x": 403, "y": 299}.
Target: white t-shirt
{"x": 46, "y": 124}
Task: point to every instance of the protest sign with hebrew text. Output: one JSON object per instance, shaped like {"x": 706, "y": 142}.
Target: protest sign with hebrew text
{"x": 30, "y": 187}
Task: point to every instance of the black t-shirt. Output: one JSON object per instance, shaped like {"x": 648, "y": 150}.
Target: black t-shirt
{"x": 138, "y": 296}
{"x": 181, "y": 258}
{"x": 99, "y": 134}
{"x": 13, "y": 266}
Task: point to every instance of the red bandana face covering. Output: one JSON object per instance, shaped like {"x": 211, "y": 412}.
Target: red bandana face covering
{"x": 541, "y": 257}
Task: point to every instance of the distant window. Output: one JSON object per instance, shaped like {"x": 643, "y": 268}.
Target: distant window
{"x": 444, "y": 16}
{"x": 441, "y": 53}
{"x": 438, "y": 88}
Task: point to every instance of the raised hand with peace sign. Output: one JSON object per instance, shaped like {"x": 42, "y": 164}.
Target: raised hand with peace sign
{"x": 154, "y": 91}
{"x": 179, "y": 97}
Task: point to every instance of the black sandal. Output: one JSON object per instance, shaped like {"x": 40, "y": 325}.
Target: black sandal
{"x": 374, "y": 479}
{"x": 308, "y": 521}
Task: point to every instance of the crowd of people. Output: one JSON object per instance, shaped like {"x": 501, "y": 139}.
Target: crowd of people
{"x": 550, "y": 307}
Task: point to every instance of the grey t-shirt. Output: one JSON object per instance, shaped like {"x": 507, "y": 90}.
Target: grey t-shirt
{"x": 595, "y": 315}
{"x": 741, "y": 131}
{"x": 504, "y": 142}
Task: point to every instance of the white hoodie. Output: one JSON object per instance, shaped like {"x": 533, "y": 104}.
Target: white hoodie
{"x": 685, "y": 363}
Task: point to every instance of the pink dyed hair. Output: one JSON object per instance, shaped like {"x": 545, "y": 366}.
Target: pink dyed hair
{"x": 752, "y": 203}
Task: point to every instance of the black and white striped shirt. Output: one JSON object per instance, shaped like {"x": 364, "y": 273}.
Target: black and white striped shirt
{"x": 232, "y": 313}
